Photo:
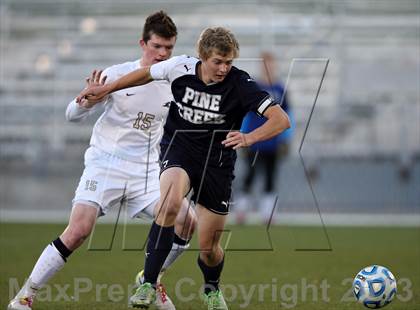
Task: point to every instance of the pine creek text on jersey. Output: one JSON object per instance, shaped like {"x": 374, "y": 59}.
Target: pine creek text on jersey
{"x": 202, "y": 107}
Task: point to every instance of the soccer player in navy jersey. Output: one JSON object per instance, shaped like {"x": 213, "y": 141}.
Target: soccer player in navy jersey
{"x": 201, "y": 134}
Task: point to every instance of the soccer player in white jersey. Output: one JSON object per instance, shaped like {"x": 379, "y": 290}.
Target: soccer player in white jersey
{"x": 121, "y": 163}
{"x": 198, "y": 147}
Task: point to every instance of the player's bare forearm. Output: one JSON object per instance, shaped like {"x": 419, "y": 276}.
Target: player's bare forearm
{"x": 136, "y": 78}
{"x": 277, "y": 122}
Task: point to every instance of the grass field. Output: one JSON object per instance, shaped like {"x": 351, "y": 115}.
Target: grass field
{"x": 280, "y": 271}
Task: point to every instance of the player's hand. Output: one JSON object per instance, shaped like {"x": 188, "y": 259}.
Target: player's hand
{"x": 93, "y": 80}
{"x": 95, "y": 90}
{"x": 236, "y": 140}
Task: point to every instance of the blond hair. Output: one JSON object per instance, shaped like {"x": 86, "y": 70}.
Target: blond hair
{"x": 217, "y": 39}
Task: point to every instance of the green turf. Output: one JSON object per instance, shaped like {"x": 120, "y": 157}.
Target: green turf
{"x": 275, "y": 272}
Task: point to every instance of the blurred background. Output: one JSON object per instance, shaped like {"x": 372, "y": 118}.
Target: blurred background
{"x": 356, "y": 151}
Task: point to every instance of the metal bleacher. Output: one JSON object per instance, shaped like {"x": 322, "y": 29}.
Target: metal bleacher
{"x": 48, "y": 47}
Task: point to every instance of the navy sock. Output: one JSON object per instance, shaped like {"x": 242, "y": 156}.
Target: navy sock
{"x": 211, "y": 275}
{"x": 158, "y": 247}
{"x": 178, "y": 240}
{"x": 61, "y": 248}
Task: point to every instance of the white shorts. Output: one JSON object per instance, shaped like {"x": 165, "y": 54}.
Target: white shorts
{"x": 109, "y": 181}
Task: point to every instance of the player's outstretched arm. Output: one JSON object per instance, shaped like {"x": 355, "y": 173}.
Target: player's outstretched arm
{"x": 135, "y": 78}
{"x": 277, "y": 122}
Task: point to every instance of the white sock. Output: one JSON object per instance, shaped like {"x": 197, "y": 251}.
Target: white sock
{"x": 175, "y": 252}
{"x": 47, "y": 265}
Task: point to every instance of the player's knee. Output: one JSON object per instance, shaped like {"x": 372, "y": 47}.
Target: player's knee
{"x": 207, "y": 246}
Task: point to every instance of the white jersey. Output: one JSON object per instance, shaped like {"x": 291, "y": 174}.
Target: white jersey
{"x": 131, "y": 125}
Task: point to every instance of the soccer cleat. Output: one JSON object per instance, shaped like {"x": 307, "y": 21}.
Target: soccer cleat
{"x": 24, "y": 299}
{"x": 144, "y": 296}
{"x": 22, "y": 303}
{"x": 163, "y": 302}
{"x": 215, "y": 301}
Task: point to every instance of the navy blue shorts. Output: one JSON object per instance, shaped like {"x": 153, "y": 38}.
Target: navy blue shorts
{"x": 211, "y": 183}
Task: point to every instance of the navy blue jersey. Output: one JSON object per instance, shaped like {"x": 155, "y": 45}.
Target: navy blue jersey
{"x": 202, "y": 115}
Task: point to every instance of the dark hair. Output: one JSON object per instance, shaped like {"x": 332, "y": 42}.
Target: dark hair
{"x": 161, "y": 24}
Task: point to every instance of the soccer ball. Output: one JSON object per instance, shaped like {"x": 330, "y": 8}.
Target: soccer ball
{"x": 375, "y": 286}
